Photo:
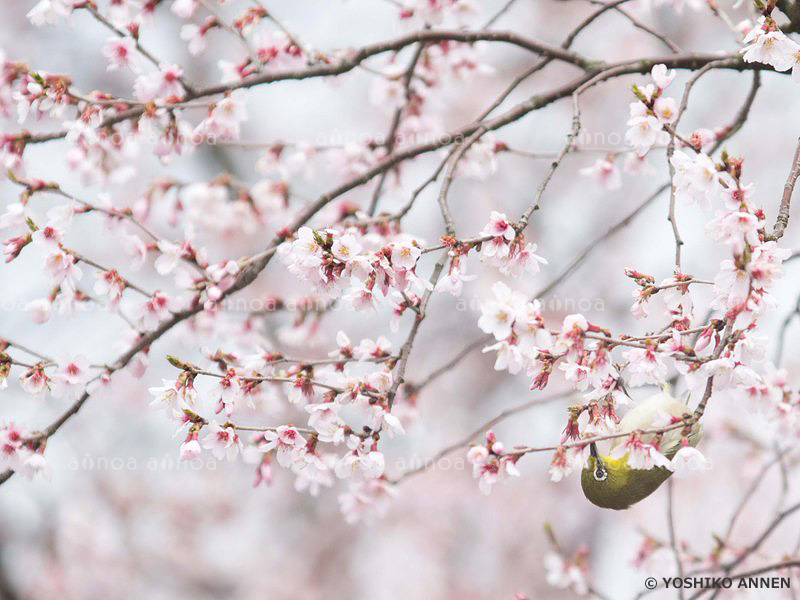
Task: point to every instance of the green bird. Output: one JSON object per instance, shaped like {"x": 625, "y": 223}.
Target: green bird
{"x": 611, "y": 482}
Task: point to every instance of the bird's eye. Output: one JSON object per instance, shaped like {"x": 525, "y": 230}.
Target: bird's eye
{"x": 600, "y": 474}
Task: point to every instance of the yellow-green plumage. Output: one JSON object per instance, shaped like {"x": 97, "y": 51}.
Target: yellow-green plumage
{"x": 623, "y": 486}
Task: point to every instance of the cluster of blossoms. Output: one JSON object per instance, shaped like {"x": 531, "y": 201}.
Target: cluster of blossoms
{"x": 506, "y": 248}
{"x": 58, "y": 263}
{"x": 324, "y": 393}
{"x": 767, "y": 44}
{"x": 365, "y": 265}
{"x": 651, "y": 116}
{"x": 738, "y": 365}
{"x": 437, "y": 11}
{"x": 22, "y": 450}
{"x": 517, "y": 325}
{"x": 651, "y": 112}
{"x": 727, "y": 349}
{"x": 500, "y": 245}
{"x": 491, "y": 464}
{"x": 66, "y": 378}
{"x": 569, "y": 574}
{"x": 363, "y": 269}
{"x": 607, "y": 174}
{"x": 741, "y": 288}
{"x": 19, "y": 452}
{"x": 422, "y": 103}
{"x": 674, "y": 291}
{"x": 102, "y": 145}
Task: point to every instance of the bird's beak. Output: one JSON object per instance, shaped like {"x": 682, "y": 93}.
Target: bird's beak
{"x": 593, "y": 450}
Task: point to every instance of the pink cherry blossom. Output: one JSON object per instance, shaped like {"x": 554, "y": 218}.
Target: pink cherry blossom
{"x": 121, "y": 52}
{"x": 640, "y": 455}
{"x": 223, "y": 441}
{"x": 159, "y": 85}
{"x": 645, "y": 366}
{"x": 153, "y": 311}
{"x": 287, "y": 443}
{"x": 606, "y": 173}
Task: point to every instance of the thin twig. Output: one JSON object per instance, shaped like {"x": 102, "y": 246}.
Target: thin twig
{"x": 405, "y": 351}
{"x": 482, "y": 428}
{"x": 671, "y": 526}
{"x": 398, "y": 113}
{"x": 671, "y": 151}
{"x": 786, "y": 200}
{"x": 503, "y": 10}
{"x": 639, "y": 25}
{"x": 89, "y": 6}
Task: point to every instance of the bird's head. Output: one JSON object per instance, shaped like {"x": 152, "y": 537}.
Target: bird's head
{"x": 597, "y": 466}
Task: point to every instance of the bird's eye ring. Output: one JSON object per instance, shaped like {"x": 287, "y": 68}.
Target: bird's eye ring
{"x": 600, "y": 474}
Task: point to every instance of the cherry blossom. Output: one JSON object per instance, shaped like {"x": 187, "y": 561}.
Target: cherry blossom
{"x": 643, "y": 133}
{"x": 159, "y": 85}
{"x": 70, "y": 378}
{"x": 167, "y": 398}
{"x": 153, "y": 311}
{"x": 35, "y": 464}
{"x": 49, "y": 12}
{"x": 645, "y": 366}
{"x": 184, "y": 8}
{"x": 697, "y": 179}
{"x": 35, "y": 381}
{"x": 40, "y": 310}
{"x": 640, "y": 454}
{"x": 225, "y": 118}
{"x": 121, "y": 52}
{"x": 689, "y": 458}
{"x": 662, "y": 76}
{"x": 230, "y": 394}
{"x": 566, "y": 575}
{"x": 223, "y": 441}
{"x": 490, "y": 464}
{"x": 324, "y": 419}
{"x": 366, "y": 500}
{"x": 405, "y": 255}
{"x": 286, "y": 442}
{"x": 498, "y": 314}
{"x": 502, "y": 232}
{"x": 109, "y": 284}
{"x": 11, "y": 445}
{"x": 313, "y": 472}
{"x": 190, "y": 448}
{"x": 565, "y": 461}
{"x": 769, "y": 45}
{"x": 606, "y": 173}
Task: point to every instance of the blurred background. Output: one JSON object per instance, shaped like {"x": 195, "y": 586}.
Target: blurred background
{"x": 118, "y": 516}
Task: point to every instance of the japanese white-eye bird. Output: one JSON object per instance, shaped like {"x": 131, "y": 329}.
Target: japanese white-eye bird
{"x": 611, "y": 482}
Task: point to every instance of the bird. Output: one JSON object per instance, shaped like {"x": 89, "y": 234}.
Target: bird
{"x": 610, "y": 482}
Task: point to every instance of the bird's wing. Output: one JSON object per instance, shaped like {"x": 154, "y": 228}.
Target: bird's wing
{"x": 648, "y": 412}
